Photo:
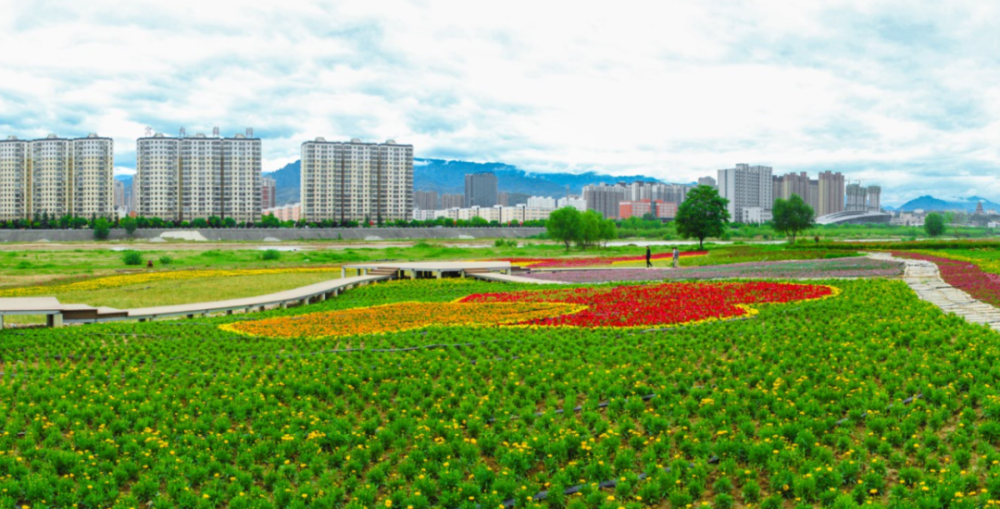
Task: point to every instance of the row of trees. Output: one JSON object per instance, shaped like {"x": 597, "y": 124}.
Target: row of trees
{"x": 568, "y": 225}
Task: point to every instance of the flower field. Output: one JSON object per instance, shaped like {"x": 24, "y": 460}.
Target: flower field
{"x": 594, "y": 261}
{"x": 625, "y": 306}
{"x": 965, "y": 274}
{"x": 872, "y": 398}
{"x": 810, "y": 269}
{"x": 150, "y": 277}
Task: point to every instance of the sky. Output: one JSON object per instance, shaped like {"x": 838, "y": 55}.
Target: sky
{"x": 903, "y": 94}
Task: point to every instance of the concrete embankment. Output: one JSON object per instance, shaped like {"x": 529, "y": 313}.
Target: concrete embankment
{"x": 272, "y": 235}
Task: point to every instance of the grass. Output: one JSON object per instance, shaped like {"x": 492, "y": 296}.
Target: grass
{"x": 171, "y": 292}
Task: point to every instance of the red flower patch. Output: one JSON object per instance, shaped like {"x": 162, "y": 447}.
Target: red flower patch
{"x": 663, "y": 304}
{"x": 963, "y": 275}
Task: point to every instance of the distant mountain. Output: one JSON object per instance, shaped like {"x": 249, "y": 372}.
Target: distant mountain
{"x": 449, "y": 177}
{"x": 287, "y": 181}
{"x": 961, "y": 204}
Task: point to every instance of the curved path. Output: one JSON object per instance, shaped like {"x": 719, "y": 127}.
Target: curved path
{"x": 925, "y": 279}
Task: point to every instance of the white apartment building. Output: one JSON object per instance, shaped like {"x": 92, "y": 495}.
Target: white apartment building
{"x": 356, "y": 181}
{"x": 541, "y": 202}
{"x": 56, "y": 176}
{"x": 573, "y": 201}
{"x": 181, "y": 179}
{"x": 747, "y": 188}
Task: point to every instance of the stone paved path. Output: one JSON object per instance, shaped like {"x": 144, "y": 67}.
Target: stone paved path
{"x": 923, "y": 277}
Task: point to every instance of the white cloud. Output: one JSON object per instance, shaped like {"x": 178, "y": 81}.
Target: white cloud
{"x": 892, "y": 92}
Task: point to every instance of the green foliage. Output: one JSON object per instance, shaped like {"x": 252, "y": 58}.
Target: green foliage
{"x": 270, "y": 254}
{"x": 934, "y": 224}
{"x": 102, "y": 227}
{"x": 505, "y": 243}
{"x": 166, "y": 260}
{"x": 129, "y": 224}
{"x": 564, "y": 225}
{"x": 132, "y": 257}
{"x": 703, "y": 214}
{"x": 792, "y": 216}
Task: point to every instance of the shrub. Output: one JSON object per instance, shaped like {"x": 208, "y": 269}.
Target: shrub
{"x": 166, "y": 260}
{"x": 132, "y": 258}
{"x": 101, "y": 228}
{"x": 271, "y": 254}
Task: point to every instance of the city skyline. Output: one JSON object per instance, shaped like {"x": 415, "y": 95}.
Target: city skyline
{"x": 883, "y": 92}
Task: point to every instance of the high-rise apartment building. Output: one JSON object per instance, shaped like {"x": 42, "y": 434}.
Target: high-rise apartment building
{"x": 750, "y": 192}
{"x": 857, "y": 198}
{"x": 541, "y": 202}
{"x": 875, "y": 198}
{"x": 799, "y": 184}
{"x": 707, "y": 181}
{"x": 481, "y": 190}
{"x": 120, "y": 202}
{"x": 197, "y": 177}
{"x": 268, "y": 193}
{"x": 356, "y": 181}
{"x": 668, "y": 193}
{"x": 831, "y": 193}
{"x": 452, "y": 201}
{"x": 15, "y": 189}
{"x": 56, "y": 176}
{"x": 425, "y": 200}
{"x": 605, "y": 198}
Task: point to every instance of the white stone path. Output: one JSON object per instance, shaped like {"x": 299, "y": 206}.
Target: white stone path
{"x": 923, "y": 277}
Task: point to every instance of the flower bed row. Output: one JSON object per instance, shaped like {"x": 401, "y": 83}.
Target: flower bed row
{"x": 151, "y": 277}
{"x": 593, "y": 260}
{"x": 813, "y": 269}
{"x": 965, "y": 275}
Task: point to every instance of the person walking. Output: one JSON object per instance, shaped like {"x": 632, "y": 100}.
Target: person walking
{"x": 649, "y": 257}
{"x": 677, "y": 257}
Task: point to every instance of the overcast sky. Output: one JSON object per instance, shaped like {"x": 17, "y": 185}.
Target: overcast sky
{"x": 905, "y": 94}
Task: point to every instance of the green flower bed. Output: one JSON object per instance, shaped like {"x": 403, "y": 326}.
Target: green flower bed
{"x": 808, "y": 403}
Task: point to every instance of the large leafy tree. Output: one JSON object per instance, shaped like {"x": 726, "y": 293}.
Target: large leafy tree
{"x": 703, "y": 214}
{"x": 792, "y": 216}
{"x": 564, "y": 225}
{"x": 129, "y": 224}
{"x": 102, "y": 227}
{"x": 934, "y": 224}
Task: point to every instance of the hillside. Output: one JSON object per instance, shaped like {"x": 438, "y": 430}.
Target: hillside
{"x": 931, "y": 203}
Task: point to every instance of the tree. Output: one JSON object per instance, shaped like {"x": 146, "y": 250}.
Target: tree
{"x": 792, "y": 216}
{"x": 703, "y": 214}
{"x": 934, "y": 224}
{"x": 564, "y": 225}
{"x": 102, "y": 227}
{"x": 129, "y": 224}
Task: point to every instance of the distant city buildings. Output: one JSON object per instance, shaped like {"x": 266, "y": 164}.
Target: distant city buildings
{"x": 197, "y": 177}
{"x": 290, "y": 212}
{"x": 541, "y": 202}
{"x": 657, "y": 208}
{"x": 576, "y": 202}
{"x": 120, "y": 202}
{"x": 425, "y": 200}
{"x": 356, "y": 181}
{"x": 605, "y": 198}
{"x": 452, "y": 201}
{"x": 831, "y": 193}
{"x": 268, "y": 193}
{"x": 707, "y": 181}
{"x": 503, "y": 215}
{"x": 56, "y": 177}
{"x": 863, "y": 199}
{"x": 503, "y": 199}
{"x": 749, "y": 190}
{"x": 481, "y": 190}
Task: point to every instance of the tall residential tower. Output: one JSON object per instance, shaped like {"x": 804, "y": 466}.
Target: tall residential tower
{"x": 56, "y": 177}
{"x": 356, "y": 181}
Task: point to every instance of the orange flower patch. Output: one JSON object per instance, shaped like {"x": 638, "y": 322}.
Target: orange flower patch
{"x": 400, "y": 317}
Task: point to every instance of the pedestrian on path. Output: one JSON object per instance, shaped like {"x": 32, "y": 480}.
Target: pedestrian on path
{"x": 649, "y": 256}
{"x": 677, "y": 257}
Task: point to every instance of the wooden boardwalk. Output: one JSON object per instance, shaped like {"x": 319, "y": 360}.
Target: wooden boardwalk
{"x": 79, "y": 313}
